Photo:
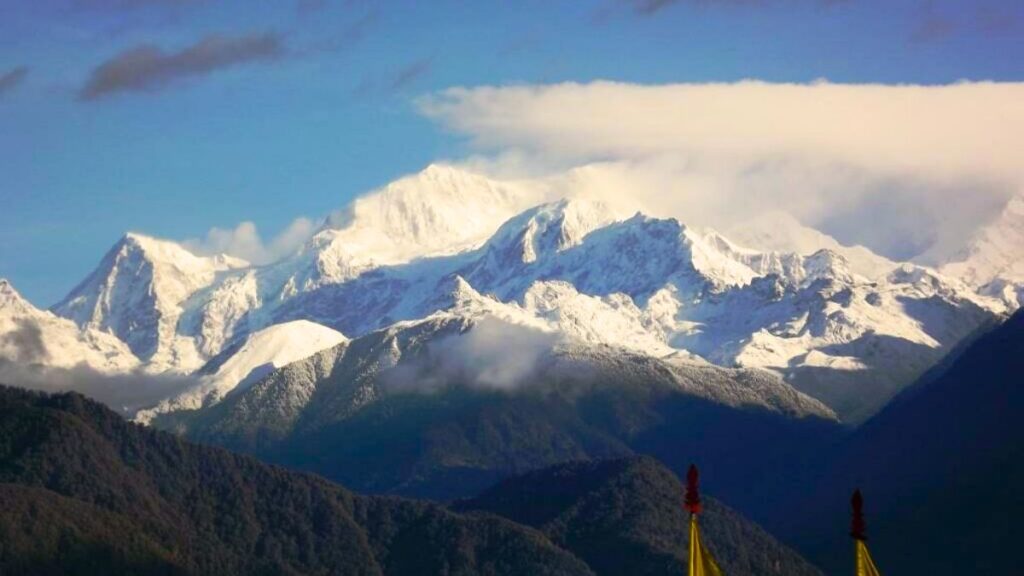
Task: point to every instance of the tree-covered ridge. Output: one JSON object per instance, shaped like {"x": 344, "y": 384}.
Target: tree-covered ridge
{"x": 85, "y": 492}
{"x": 626, "y": 516}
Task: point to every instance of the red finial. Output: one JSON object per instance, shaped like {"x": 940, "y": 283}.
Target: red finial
{"x": 858, "y": 528}
{"x": 692, "y": 494}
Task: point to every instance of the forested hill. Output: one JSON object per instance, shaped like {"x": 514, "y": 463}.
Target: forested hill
{"x": 626, "y": 516}
{"x": 84, "y": 492}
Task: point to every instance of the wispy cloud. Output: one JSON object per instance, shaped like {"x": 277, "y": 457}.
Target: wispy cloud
{"x": 397, "y": 81}
{"x": 132, "y": 4}
{"x": 351, "y": 34}
{"x": 651, "y": 7}
{"x": 12, "y": 78}
{"x": 492, "y": 355}
{"x": 934, "y": 21}
{"x": 307, "y": 7}
{"x": 244, "y": 241}
{"x": 932, "y": 25}
{"x": 411, "y": 73}
{"x": 148, "y": 68}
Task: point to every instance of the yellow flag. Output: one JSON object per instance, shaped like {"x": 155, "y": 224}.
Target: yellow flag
{"x": 865, "y": 565}
{"x": 701, "y": 561}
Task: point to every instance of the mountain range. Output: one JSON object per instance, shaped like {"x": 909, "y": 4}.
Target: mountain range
{"x": 838, "y": 323}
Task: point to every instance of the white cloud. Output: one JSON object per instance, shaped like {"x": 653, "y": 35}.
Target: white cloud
{"x": 492, "y": 355}
{"x": 244, "y": 241}
{"x": 898, "y": 168}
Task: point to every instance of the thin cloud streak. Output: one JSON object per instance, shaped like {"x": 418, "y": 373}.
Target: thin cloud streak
{"x": 411, "y": 72}
{"x": 12, "y": 78}
{"x": 652, "y": 7}
{"x": 121, "y": 5}
{"x": 147, "y": 68}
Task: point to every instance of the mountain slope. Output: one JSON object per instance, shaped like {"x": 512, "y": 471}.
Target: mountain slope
{"x": 92, "y": 494}
{"x": 940, "y": 469}
{"x": 993, "y": 260}
{"x": 444, "y": 406}
{"x": 626, "y": 516}
{"x": 248, "y": 361}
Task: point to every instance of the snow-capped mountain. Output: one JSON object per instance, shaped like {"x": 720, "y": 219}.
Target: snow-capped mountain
{"x": 138, "y": 292}
{"x": 249, "y": 360}
{"x": 994, "y": 260}
{"x": 842, "y": 324}
{"x": 32, "y": 336}
{"x": 441, "y": 210}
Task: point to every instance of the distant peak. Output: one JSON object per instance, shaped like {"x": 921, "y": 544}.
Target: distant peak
{"x": 10, "y": 297}
{"x": 441, "y": 169}
{"x": 158, "y": 249}
{"x": 457, "y": 291}
{"x": 146, "y": 243}
{"x": 554, "y": 226}
{"x": 7, "y": 289}
{"x": 136, "y": 239}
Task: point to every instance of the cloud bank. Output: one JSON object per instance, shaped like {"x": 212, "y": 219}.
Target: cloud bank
{"x": 148, "y": 68}
{"x": 25, "y": 366}
{"x": 902, "y": 169}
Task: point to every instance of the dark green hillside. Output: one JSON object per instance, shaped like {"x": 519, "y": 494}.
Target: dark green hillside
{"x": 626, "y": 516}
{"x": 85, "y": 492}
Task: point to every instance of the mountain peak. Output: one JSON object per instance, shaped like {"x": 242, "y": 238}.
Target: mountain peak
{"x": 439, "y": 210}
{"x": 552, "y": 227}
{"x": 137, "y": 292}
{"x": 10, "y": 298}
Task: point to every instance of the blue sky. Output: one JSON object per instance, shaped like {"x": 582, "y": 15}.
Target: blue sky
{"x": 324, "y": 108}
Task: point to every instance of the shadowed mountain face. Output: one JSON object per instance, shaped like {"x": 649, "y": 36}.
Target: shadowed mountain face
{"x": 941, "y": 469}
{"x": 84, "y": 492}
{"x": 626, "y": 516}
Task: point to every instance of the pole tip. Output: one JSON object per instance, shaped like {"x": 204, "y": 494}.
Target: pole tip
{"x": 692, "y": 492}
{"x": 858, "y": 527}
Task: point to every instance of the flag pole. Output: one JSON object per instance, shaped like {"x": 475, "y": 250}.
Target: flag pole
{"x": 701, "y": 563}
{"x": 865, "y": 566}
